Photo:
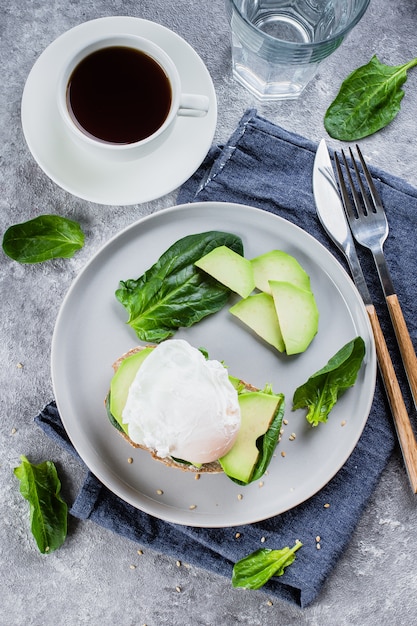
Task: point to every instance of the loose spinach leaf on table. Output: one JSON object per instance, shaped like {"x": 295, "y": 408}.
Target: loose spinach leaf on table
{"x": 40, "y": 485}
{"x": 368, "y": 100}
{"x": 174, "y": 293}
{"x": 43, "y": 238}
{"x": 257, "y": 568}
{"x": 322, "y": 390}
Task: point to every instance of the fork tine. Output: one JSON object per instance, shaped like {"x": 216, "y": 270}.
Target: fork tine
{"x": 365, "y": 207}
{"x": 373, "y": 190}
{"x": 343, "y": 189}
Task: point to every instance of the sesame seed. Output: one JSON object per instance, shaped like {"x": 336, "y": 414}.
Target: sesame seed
{"x": 13, "y": 431}
{"x": 130, "y": 460}
{"x": 327, "y": 505}
{"x": 270, "y": 603}
{"x": 192, "y": 507}
{"x": 239, "y": 496}
{"x": 140, "y": 552}
{"x": 237, "y": 535}
{"x": 343, "y": 423}
{"x": 318, "y": 538}
{"x": 318, "y": 546}
{"x": 19, "y": 366}
{"x": 178, "y": 563}
{"x": 132, "y": 566}
{"x": 285, "y": 422}
{"x": 292, "y": 437}
{"x": 159, "y": 492}
{"x": 261, "y": 484}
{"x": 178, "y": 589}
{"x": 263, "y": 539}
{"x": 283, "y": 454}
{"x": 197, "y": 477}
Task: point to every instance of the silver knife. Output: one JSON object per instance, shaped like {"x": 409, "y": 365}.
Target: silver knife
{"x": 331, "y": 214}
{"x": 332, "y": 217}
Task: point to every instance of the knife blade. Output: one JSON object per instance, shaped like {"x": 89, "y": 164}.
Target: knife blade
{"x": 331, "y": 214}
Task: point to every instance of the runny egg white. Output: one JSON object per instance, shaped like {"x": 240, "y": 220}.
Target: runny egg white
{"x": 182, "y": 405}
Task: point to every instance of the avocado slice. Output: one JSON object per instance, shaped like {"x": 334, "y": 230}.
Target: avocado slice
{"x": 259, "y": 313}
{"x": 281, "y": 266}
{"x": 297, "y": 313}
{"x": 230, "y": 269}
{"x": 258, "y": 410}
{"x": 121, "y": 381}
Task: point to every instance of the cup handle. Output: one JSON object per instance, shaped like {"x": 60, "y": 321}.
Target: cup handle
{"x": 193, "y": 105}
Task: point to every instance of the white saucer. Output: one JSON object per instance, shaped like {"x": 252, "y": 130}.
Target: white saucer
{"x": 103, "y": 182}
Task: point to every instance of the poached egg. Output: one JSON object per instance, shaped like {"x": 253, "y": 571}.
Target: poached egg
{"x": 182, "y": 405}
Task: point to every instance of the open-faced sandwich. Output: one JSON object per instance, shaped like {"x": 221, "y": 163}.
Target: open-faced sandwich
{"x": 188, "y": 412}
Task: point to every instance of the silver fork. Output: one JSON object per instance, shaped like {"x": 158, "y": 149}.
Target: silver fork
{"x": 369, "y": 226}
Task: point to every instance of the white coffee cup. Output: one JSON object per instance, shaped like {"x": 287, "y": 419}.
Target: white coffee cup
{"x": 181, "y": 104}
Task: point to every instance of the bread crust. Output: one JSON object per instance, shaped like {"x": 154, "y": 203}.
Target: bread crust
{"x": 206, "y": 468}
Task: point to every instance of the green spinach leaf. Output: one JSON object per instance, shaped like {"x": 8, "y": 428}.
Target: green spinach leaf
{"x": 174, "y": 293}
{"x": 322, "y": 390}
{"x": 257, "y": 568}
{"x": 43, "y": 238}
{"x": 40, "y": 485}
{"x": 268, "y": 442}
{"x": 368, "y": 100}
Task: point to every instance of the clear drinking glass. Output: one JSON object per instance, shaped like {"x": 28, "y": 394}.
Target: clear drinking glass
{"x": 277, "y": 45}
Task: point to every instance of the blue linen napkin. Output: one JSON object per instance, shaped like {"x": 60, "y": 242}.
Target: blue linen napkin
{"x": 265, "y": 166}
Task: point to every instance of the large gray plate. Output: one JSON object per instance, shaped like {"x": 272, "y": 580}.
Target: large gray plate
{"x": 91, "y": 333}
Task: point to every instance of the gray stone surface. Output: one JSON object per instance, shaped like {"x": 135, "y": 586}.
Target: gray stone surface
{"x": 90, "y": 580}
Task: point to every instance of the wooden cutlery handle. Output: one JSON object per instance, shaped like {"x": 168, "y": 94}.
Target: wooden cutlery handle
{"x": 400, "y": 416}
{"x": 404, "y": 342}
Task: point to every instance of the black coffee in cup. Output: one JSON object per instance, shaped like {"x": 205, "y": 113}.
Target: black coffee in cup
{"x": 119, "y": 95}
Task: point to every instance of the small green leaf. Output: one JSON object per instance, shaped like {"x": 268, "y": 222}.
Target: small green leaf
{"x": 267, "y": 443}
{"x": 43, "y": 238}
{"x": 368, "y": 100}
{"x": 40, "y": 486}
{"x": 253, "y": 571}
{"x": 322, "y": 390}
